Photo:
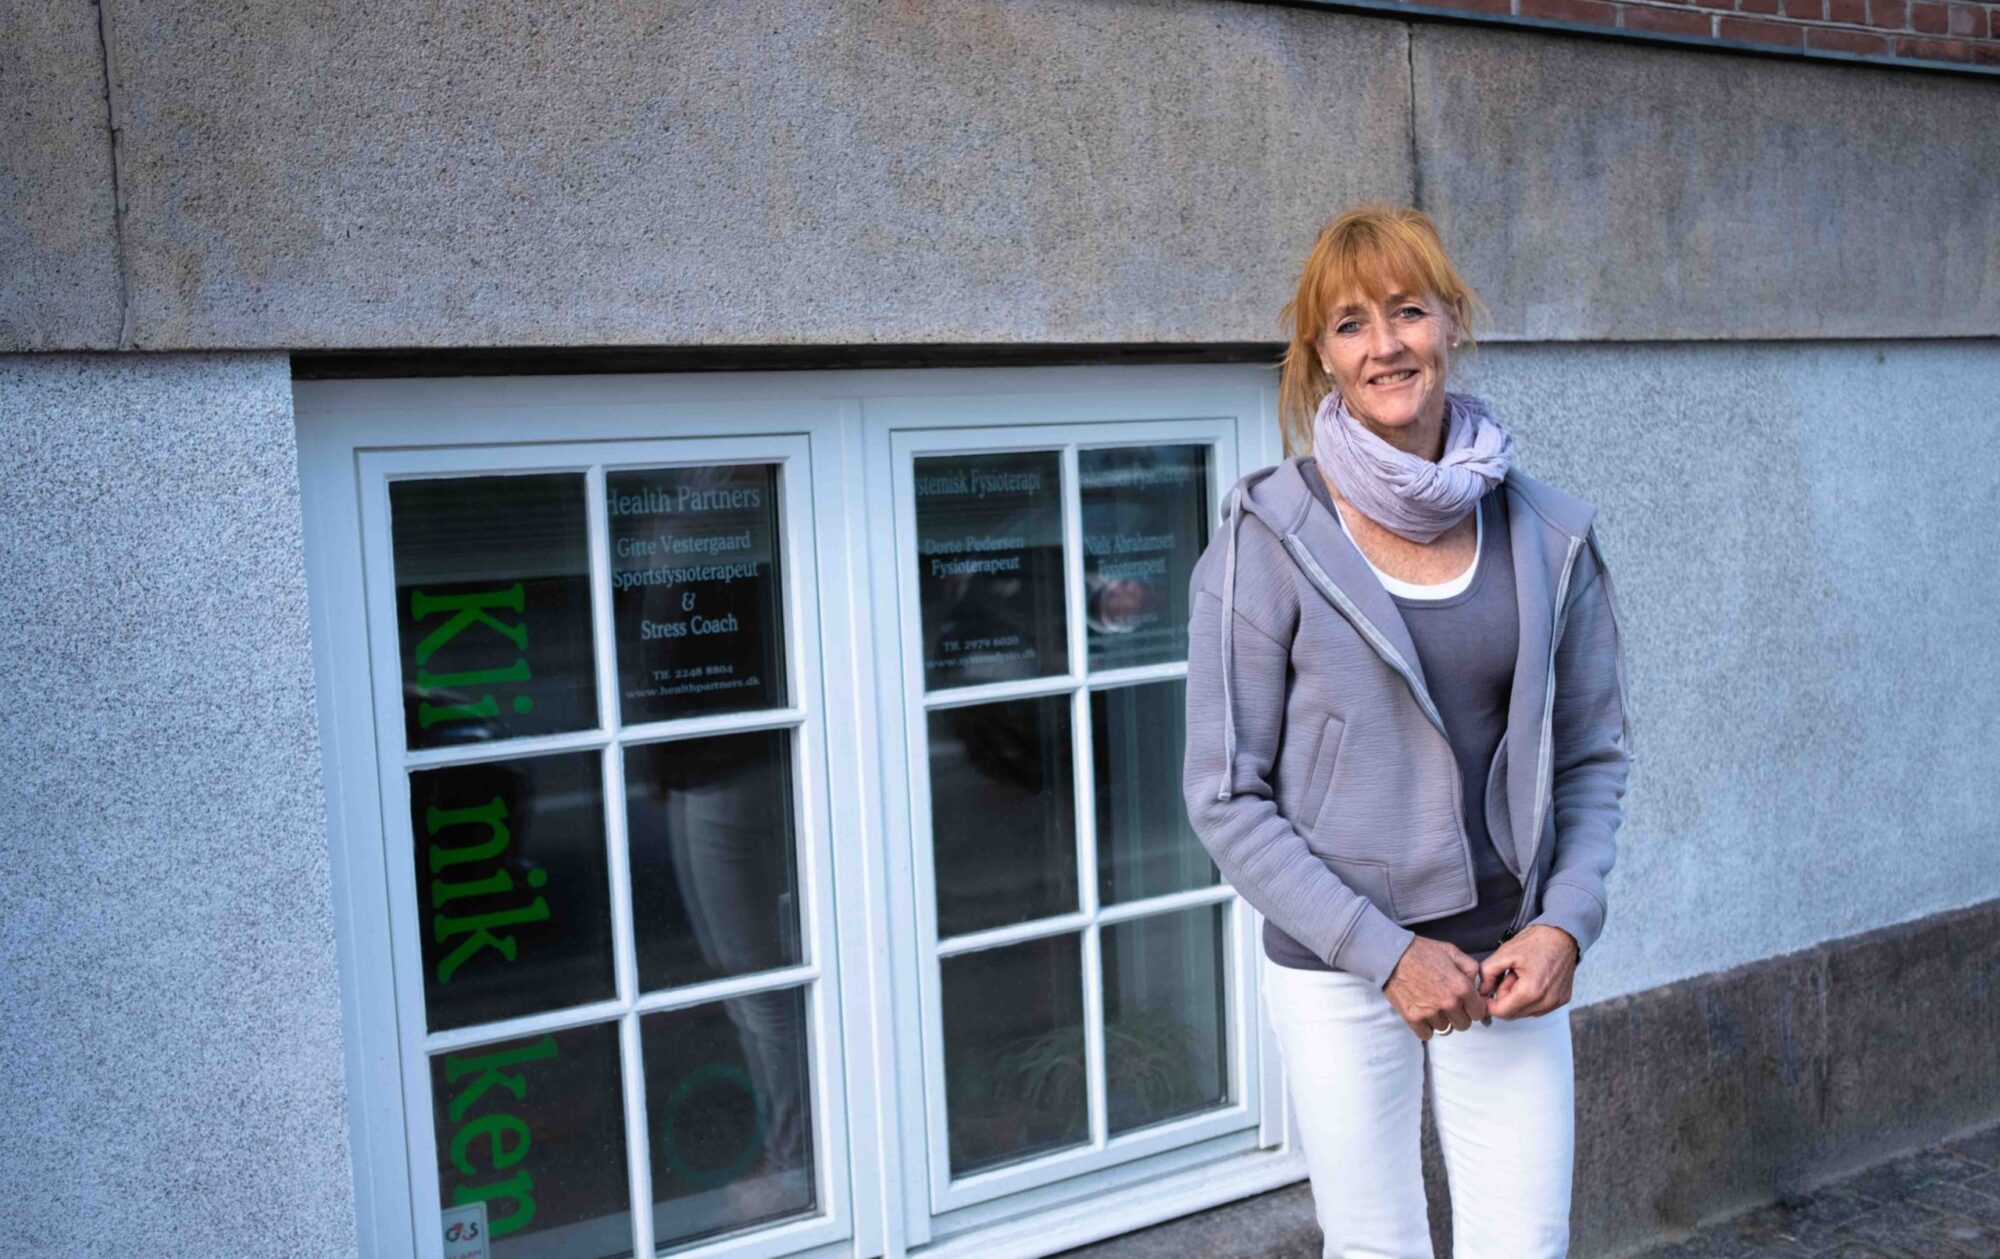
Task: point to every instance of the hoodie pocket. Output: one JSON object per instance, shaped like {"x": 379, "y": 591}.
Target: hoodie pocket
{"x": 1367, "y": 878}
{"x": 1321, "y": 777}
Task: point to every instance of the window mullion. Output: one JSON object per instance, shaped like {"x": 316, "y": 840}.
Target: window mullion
{"x": 623, "y": 949}
{"x": 1085, "y": 800}
{"x": 639, "y": 1154}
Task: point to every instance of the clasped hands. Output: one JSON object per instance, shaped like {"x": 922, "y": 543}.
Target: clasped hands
{"x": 1436, "y": 985}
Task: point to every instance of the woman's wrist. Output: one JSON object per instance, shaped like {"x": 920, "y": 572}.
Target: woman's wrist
{"x": 1576, "y": 950}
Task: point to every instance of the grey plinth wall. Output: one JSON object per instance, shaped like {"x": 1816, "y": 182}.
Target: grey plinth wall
{"x": 175, "y": 1081}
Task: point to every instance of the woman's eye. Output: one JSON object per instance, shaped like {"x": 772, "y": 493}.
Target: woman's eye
{"x": 1348, "y": 326}
{"x": 1418, "y": 309}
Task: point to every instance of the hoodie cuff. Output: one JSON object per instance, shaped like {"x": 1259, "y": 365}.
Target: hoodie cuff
{"x": 1576, "y": 911}
{"x": 1372, "y": 946}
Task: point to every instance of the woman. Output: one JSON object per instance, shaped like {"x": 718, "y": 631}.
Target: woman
{"x": 1407, "y": 748}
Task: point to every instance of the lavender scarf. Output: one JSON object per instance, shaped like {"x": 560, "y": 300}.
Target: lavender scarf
{"x": 1407, "y": 495}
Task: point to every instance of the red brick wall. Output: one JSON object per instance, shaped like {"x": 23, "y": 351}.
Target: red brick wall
{"x": 1920, "y": 30}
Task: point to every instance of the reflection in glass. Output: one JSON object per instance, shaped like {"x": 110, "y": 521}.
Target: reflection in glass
{"x": 714, "y": 874}
{"x": 1145, "y": 523}
{"x": 696, "y": 598}
{"x": 1013, "y": 1052}
{"x": 511, "y": 883}
{"x": 990, "y": 567}
{"x": 492, "y": 607}
{"x": 535, "y": 1129}
{"x": 1165, "y": 1025}
{"x": 728, "y": 1114}
{"x": 1145, "y": 845}
{"x": 1003, "y": 815}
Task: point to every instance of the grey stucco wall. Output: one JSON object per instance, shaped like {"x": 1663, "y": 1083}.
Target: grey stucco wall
{"x": 1807, "y": 600}
{"x": 1801, "y": 536}
{"x": 175, "y": 1081}
{"x": 762, "y": 172}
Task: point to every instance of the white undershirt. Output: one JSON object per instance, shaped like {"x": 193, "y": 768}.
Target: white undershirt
{"x": 1434, "y": 590}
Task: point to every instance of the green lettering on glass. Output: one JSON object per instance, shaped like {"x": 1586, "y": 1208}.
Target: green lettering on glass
{"x": 481, "y": 935}
{"x": 429, "y": 714}
{"x": 466, "y": 609}
{"x": 493, "y": 1128}
{"x": 516, "y": 672}
{"x": 443, "y": 893}
{"x": 488, "y": 815}
{"x": 490, "y": 1070}
{"x": 478, "y": 927}
{"x": 489, "y": 1067}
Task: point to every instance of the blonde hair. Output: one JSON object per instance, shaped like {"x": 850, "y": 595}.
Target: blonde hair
{"x": 1365, "y": 248}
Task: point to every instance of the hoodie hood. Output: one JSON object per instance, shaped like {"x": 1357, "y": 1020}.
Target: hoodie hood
{"x": 1280, "y": 499}
{"x": 1255, "y": 494}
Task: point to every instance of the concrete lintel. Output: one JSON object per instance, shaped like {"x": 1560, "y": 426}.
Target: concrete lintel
{"x": 59, "y": 278}
{"x": 352, "y": 175}
{"x": 1605, "y": 191}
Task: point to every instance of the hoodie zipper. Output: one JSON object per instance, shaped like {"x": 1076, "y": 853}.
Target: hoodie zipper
{"x": 1317, "y": 575}
{"x": 1545, "y": 751}
{"x": 1304, "y": 559}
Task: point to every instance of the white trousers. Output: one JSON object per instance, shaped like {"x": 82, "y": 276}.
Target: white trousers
{"x": 1503, "y": 1099}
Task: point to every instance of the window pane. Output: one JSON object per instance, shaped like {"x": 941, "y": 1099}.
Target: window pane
{"x": 729, "y": 1113}
{"x": 1145, "y": 522}
{"x": 535, "y": 1129}
{"x": 990, "y": 567}
{"x": 492, "y": 607}
{"x": 1145, "y": 846}
{"x": 714, "y": 871}
{"x": 1003, "y": 814}
{"x": 696, "y": 595}
{"x": 511, "y": 876}
{"x": 1013, "y": 1052}
{"x": 1165, "y": 1026}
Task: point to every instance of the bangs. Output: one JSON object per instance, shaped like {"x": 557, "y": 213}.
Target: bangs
{"x": 1378, "y": 260}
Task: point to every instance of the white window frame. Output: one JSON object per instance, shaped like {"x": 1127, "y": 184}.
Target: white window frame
{"x": 869, "y": 1051}
{"x": 1077, "y": 684}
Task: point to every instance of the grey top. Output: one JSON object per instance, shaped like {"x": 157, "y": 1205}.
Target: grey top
{"x": 1304, "y": 686}
{"x": 1466, "y": 644}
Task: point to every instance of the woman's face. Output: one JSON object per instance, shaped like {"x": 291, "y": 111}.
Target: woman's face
{"x": 1389, "y": 358}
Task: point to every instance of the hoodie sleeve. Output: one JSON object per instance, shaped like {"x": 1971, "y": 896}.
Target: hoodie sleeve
{"x": 1592, "y": 741}
{"x": 1229, "y": 796}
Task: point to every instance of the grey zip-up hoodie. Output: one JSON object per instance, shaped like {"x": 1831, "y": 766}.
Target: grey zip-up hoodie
{"x": 1318, "y": 772}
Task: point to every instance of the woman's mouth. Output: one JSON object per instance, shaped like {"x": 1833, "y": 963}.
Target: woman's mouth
{"x": 1390, "y": 380}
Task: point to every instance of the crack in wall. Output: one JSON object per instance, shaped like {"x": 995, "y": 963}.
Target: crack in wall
{"x": 1416, "y": 163}
{"x": 114, "y": 118}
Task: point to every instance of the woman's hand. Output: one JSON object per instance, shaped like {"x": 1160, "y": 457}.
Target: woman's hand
{"x": 1531, "y": 973}
{"x": 1436, "y": 985}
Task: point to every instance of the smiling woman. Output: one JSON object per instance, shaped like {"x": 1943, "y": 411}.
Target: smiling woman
{"x": 1377, "y": 296}
{"x": 1376, "y": 586}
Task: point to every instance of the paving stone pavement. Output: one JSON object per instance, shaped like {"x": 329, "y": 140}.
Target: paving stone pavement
{"x": 1938, "y": 1203}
